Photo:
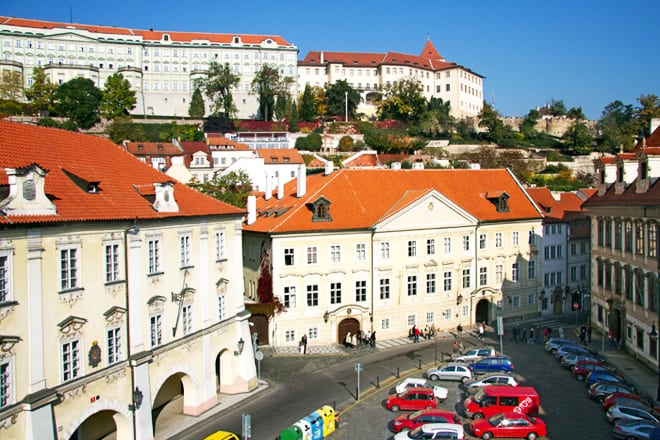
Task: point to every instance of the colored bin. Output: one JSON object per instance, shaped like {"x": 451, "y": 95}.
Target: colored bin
{"x": 316, "y": 423}
{"x": 327, "y": 413}
{"x": 305, "y": 429}
{"x": 291, "y": 433}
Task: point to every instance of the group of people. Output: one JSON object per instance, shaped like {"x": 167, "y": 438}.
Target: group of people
{"x": 352, "y": 340}
{"x": 427, "y": 333}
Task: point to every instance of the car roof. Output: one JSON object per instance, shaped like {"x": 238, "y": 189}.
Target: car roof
{"x": 431, "y": 427}
{"x": 495, "y": 390}
{"x": 452, "y": 364}
{"x": 419, "y": 389}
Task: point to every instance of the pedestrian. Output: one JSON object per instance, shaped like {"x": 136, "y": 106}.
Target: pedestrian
{"x": 531, "y": 336}
{"x": 561, "y": 332}
{"x": 523, "y": 337}
{"x": 482, "y": 331}
{"x": 459, "y": 329}
{"x": 303, "y": 341}
{"x": 347, "y": 341}
{"x": 514, "y": 333}
{"x": 372, "y": 339}
{"x": 583, "y": 335}
{"x": 546, "y": 334}
{"x": 610, "y": 335}
{"x": 354, "y": 340}
{"x": 455, "y": 346}
{"x": 417, "y": 333}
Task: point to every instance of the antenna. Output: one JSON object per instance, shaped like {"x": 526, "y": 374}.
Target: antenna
{"x": 71, "y": 12}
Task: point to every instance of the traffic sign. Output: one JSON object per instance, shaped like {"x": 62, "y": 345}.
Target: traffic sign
{"x": 358, "y": 367}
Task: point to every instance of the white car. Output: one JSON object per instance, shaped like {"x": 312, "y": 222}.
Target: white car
{"x": 491, "y": 379}
{"x": 415, "y": 382}
{"x": 475, "y": 354}
{"x": 433, "y": 430}
{"x": 451, "y": 371}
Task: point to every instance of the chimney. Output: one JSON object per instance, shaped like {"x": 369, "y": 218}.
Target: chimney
{"x": 267, "y": 188}
{"x": 280, "y": 187}
{"x": 321, "y": 57}
{"x": 251, "y": 210}
{"x": 301, "y": 187}
{"x": 329, "y": 167}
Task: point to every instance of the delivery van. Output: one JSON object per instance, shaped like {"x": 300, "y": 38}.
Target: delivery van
{"x": 492, "y": 400}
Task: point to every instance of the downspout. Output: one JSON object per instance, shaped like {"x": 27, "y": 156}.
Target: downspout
{"x": 373, "y": 282}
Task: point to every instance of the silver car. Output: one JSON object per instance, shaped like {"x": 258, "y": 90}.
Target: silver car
{"x": 632, "y": 411}
{"x": 451, "y": 371}
{"x": 475, "y": 354}
{"x": 473, "y": 386}
{"x": 633, "y": 429}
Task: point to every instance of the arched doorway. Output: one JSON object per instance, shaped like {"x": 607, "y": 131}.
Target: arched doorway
{"x": 104, "y": 424}
{"x": 169, "y": 399}
{"x": 345, "y": 326}
{"x": 615, "y": 323}
{"x": 221, "y": 364}
{"x": 259, "y": 325}
{"x": 482, "y": 311}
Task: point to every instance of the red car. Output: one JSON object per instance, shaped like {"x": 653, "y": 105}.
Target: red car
{"x": 583, "y": 368}
{"x": 412, "y": 399}
{"x": 421, "y": 417}
{"x": 510, "y": 425}
{"x": 611, "y": 399}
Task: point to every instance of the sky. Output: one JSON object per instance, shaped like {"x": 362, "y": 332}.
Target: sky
{"x": 586, "y": 53}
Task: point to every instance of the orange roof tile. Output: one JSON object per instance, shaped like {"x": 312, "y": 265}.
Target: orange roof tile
{"x": 361, "y": 198}
{"x": 96, "y": 159}
{"x": 280, "y": 155}
{"x": 153, "y": 148}
{"x": 552, "y": 208}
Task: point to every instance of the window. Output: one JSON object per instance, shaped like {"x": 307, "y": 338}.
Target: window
{"x": 430, "y": 283}
{"x": 573, "y": 273}
{"x": 499, "y": 273}
{"x": 384, "y": 288}
{"x": 5, "y": 278}
{"x": 111, "y": 262}
{"x": 335, "y": 253}
{"x": 447, "y": 281}
{"x": 186, "y": 318}
{"x": 5, "y": 384}
{"x": 411, "y": 319}
{"x": 360, "y": 290}
{"x": 384, "y": 324}
{"x": 114, "y": 345}
{"x": 288, "y": 257}
{"x": 498, "y": 239}
{"x": 446, "y": 245}
{"x": 482, "y": 241}
{"x": 447, "y": 314}
{"x": 68, "y": 268}
{"x": 312, "y": 255}
{"x": 220, "y": 246}
{"x": 430, "y": 246}
{"x": 412, "y": 248}
{"x": 515, "y": 272}
{"x": 531, "y": 270}
{"x": 515, "y": 237}
{"x": 466, "y": 278}
{"x": 153, "y": 249}
{"x": 466, "y": 242}
{"x": 289, "y": 297}
{"x": 639, "y": 238}
{"x": 70, "y": 360}
{"x": 156, "y": 329}
{"x": 361, "y": 252}
{"x": 618, "y": 230}
{"x": 313, "y": 295}
{"x": 627, "y": 229}
{"x": 532, "y": 237}
{"x": 430, "y": 317}
{"x": 412, "y": 285}
{"x": 385, "y": 251}
{"x": 290, "y": 336}
{"x": 313, "y": 332}
{"x": 516, "y": 302}
{"x": 185, "y": 251}
{"x": 483, "y": 276}
{"x": 530, "y": 299}
{"x": 335, "y": 293}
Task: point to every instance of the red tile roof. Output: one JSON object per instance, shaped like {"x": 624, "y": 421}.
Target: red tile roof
{"x": 555, "y": 209}
{"x": 122, "y": 177}
{"x": 361, "y": 198}
{"x": 192, "y": 147}
{"x": 280, "y": 155}
{"x": 153, "y": 149}
{"x": 628, "y": 197}
{"x": 148, "y": 35}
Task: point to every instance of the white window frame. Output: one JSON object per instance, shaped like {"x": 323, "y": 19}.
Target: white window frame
{"x": 69, "y": 273}
{"x": 515, "y": 238}
{"x": 114, "y": 344}
{"x": 335, "y": 253}
{"x": 154, "y": 255}
{"x": 412, "y": 248}
{"x": 156, "y": 329}
{"x": 385, "y": 250}
{"x": 498, "y": 240}
{"x": 360, "y": 252}
{"x": 7, "y": 381}
{"x": 289, "y": 297}
{"x": 186, "y": 319}
{"x": 384, "y": 288}
{"x": 312, "y": 255}
{"x": 360, "y": 290}
{"x": 466, "y": 243}
{"x": 220, "y": 250}
{"x": 447, "y": 280}
{"x": 411, "y": 285}
{"x": 446, "y": 245}
{"x": 113, "y": 261}
{"x": 289, "y": 256}
{"x": 71, "y": 368}
{"x": 6, "y": 271}
{"x": 185, "y": 250}
{"x": 430, "y": 246}
{"x": 222, "y": 307}
{"x": 335, "y": 292}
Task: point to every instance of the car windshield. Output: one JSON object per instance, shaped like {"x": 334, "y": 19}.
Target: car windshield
{"x": 496, "y": 419}
{"x": 416, "y": 433}
{"x": 479, "y": 396}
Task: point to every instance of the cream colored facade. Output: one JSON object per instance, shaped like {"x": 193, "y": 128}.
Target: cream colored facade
{"x": 52, "y": 325}
{"x": 420, "y": 267}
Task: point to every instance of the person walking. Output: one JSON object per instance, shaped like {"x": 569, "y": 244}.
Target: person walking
{"x": 372, "y": 339}
{"x": 417, "y": 333}
{"x": 531, "y": 336}
{"x": 303, "y": 342}
{"x": 459, "y": 330}
{"x": 347, "y": 341}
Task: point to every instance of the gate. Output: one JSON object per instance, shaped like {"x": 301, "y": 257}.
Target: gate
{"x": 345, "y": 326}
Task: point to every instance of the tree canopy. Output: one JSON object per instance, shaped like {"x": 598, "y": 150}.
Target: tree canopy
{"x": 340, "y": 96}
{"x": 79, "y": 100}
{"x": 307, "y": 111}
{"x": 196, "y": 109}
{"x": 117, "y": 98}
{"x": 11, "y": 85}
{"x": 268, "y": 85}
{"x": 217, "y": 85}
{"x": 41, "y": 92}
{"x": 403, "y": 101}
{"x": 233, "y": 188}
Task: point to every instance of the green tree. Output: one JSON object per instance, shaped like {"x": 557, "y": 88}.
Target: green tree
{"x": 339, "y": 96}
{"x": 617, "y": 127}
{"x": 320, "y": 100}
{"x": 117, "y": 98}
{"x": 528, "y": 124}
{"x": 577, "y": 139}
{"x": 556, "y": 108}
{"x": 217, "y": 86}
{"x": 576, "y": 113}
{"x": 79, "y": 100}
{"x": 489, "y": 119}
{"x": 283, "y": 106}
{"x": 649, "y": 107}
{"x": 233, "y": 188}
{"x": 294, "y": 120}
{"x": 346, "y": 143}
{"x": 307, "y": 110}
{"x": 123, "y": 128}
{"x": 11, "y": 85}
{"x": 41, "y": 92}
{"x": 268, "y": 84}
{"x": 302, "y": 143}
{"x": 314, "y": 141}
{"x": 184, "y": 132}
{"x": 196, "y": 109}
{"x": 403, "y": 101}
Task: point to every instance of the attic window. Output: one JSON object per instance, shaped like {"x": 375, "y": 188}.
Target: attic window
{"x": 166, "y": 37}
{"x": 500, "y": 199}
{"x": 237, "y": 40}
{"x": 160, "y": 147}
{"x": 286, "y": 159}
{"x": 321, "y": 210}
{"x": 275, "y": 159}
{"x": 140, "y": 147}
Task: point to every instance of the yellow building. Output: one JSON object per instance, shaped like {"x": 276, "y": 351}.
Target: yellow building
{"x": 119, "y": 291}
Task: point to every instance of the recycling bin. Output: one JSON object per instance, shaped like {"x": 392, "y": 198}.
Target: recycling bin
{"x": 291, "y": 433}
{"x": 316, "y": 423}
{"x": 327, "y": 413}
{"x": 305, "y": 429}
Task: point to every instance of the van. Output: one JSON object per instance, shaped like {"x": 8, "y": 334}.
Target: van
{"x": 492, "y": 400}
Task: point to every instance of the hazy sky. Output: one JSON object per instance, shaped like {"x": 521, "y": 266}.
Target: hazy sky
{"x": 587, "y": 53}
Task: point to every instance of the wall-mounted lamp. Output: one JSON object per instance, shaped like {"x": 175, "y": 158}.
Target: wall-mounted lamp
{"x": 137, "y": 400}
{"x": 241, "y": 345}
{"x": 459, "y": 299}
{"x": 654, "y": 332}
{"x": 326, "y": 316}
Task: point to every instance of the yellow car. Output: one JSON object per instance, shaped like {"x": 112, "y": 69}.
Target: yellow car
{"x": 222, "y": 435}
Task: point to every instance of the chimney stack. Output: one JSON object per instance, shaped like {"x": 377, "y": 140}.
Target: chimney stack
{"x": 329, "y": 166}
{"x": 301, "y": 187}
{"x": 280, "y": 187}
{"x": 268, "y": 188}
{"x": 251, "y": 210}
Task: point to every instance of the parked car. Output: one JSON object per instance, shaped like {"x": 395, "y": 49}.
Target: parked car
{"x": 583, "y": 368}
{"x": 412, "y": 399}
{"x": 412, "y": 420}
{"x": 606, "y": 376}
{"x": 633, "y": 430}
{"x": 492, "y": 400}
{"x": 415, "y": 382}
{"x": 614, "y": 397}
{"x": 222, "y": 435}
{"x": 570, "y": 349}
{"x": 448, "y": 431}
{"x": 554, "y": 343}
{"x": 474, "y": 385}
{"x": 632, "y": 411}
{"x": 569, "y": 360}
{"x": 600, "y": 390}
{"x": 451, "y": 371}
{"x": 475, "y": 354}
{"x": 492, "y": 364}
{"x": 509, "y": 424}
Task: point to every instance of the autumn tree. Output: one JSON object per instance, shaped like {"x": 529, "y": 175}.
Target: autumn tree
{"x": 403, "y": 101}
{"x": 649, "y": 108}
{"x": 268, "y": 84}
{"x": 41, "y": 92}
{"x": 217, "y": 86}
{"x": 117, "y": 98}
{"x": 11, "y": 85}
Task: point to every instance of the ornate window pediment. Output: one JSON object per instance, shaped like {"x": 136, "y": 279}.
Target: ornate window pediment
{"x": 114, "y": 314}
{"x": 321, "y": 210}
{"x": 72, "y": 325}
{"x": 27, "y": 193}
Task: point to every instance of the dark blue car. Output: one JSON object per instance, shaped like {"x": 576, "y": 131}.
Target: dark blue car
{"x": 606, "y": 376}
{"x": 493, "y": 364}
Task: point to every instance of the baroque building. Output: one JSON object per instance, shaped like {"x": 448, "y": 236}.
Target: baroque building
{"x": 120, "y": 291}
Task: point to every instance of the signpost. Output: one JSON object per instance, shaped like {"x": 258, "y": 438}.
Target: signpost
{"x": 358, "y": 368}
{"x": 500, "y": 331}
{"x": 259, "y": 355}
{"x": 247, "y": 425}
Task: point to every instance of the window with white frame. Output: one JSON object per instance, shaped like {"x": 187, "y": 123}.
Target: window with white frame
{"x": 446, "y": 245}
{"x": 466, "y": 278}
{"x": 430, "y": 283}
{"x": 290, "y": 336}
{"x": 360, "y": 290}
{"x": 465, "y": 310}
{"x": 385, "y": 251}
{"x": 499, "y": 273}
{"x": 112, "y": 262}
{"x": 6, "y": 383}
{"x": 69, "y": 268}
{"x": 185, "y": 250}
{"x": 153, "y": 254}
{"x": 516, "y": 302}
{"x": 385, "y": 324}
{"x": 466, "y": 242}
{"x": 446, "y": 314}
{"x": 430, "y": 317}
{"x": 498, "y": 239}
{"x": 289, "y": 297}
{"x": 70, "y": 351}
{"x": 482, "y": 241}
{"x": 313, "y": 333}
{"x": 312, "y": 255}
{"x": 288, "y": 257}
{"x": 430, "y": 246}
{"x": 156, "y": 329}
{"x": 411, "y": 319}
{"x": 5, "y": 276}
{"x": 222, "y": 308}
{"x": 412, "y": 248}
{"x": 220, "y": 246}
{"x": 447, "y": 281}
{"x": 531, "y": 300}
{"x": 186, "y": 319}
{"x": 515, "y": 272}
{"x": 313, "y": 295}
{"x": 515, "y": 237}
{"x": 335, "y": 293}
{"x": 361, "y": 252}
{"x": 532, "y": 237}
{"x": 483, "y": 276}
{"x": 114, "y": 343}
{"x": 412, "y": 285}
{"x": 335, "y": 253}
{"x": 531, "y": 270}
{"x": 384, "y": 288}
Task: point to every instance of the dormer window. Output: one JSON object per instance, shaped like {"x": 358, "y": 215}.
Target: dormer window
{"x": 166, "y": 37}
{"x": 500, "y": 199}
{"x": 27, "y": 194}
{"x": 237, "y": 40}
{"x": 164, "y": 200}
{"x": 321, "y": 210}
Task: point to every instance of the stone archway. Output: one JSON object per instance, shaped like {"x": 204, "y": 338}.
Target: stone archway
{"x": 175, "y": 395}
{"x": 345, "y": 326}
{"x": 482, "y": 311}
{"x": 259, "y": 325}
{"x": 103, "y": 424}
